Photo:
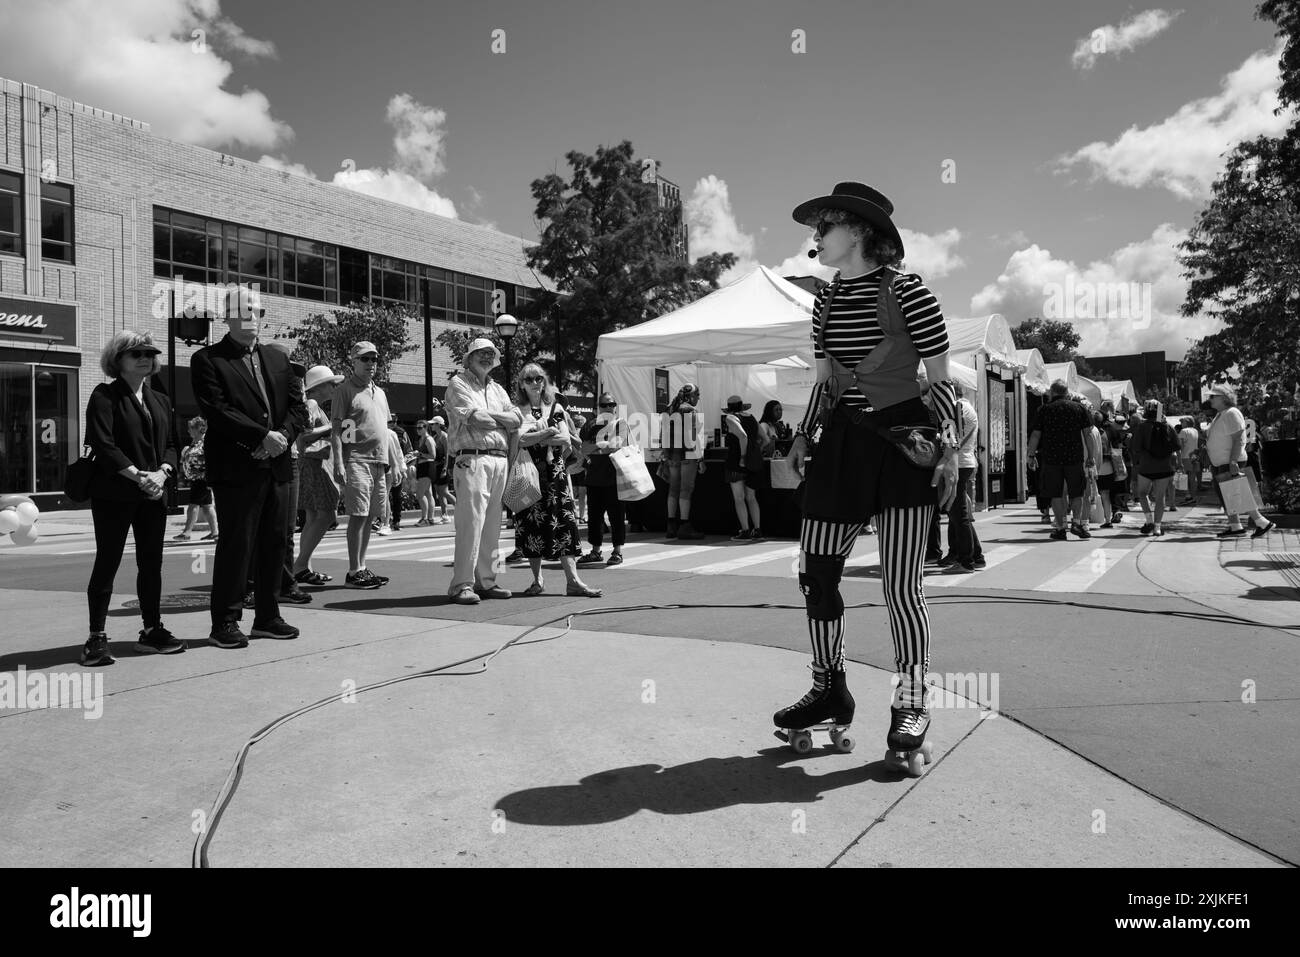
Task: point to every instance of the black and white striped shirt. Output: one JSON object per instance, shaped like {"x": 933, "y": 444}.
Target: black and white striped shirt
{"x": 853, "y": 330}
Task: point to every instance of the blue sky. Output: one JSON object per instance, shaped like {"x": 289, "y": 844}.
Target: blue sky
{"x": 1086, "y": 167}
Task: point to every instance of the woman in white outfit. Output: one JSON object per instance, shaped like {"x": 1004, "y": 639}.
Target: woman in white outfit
{"x": 482, "y": 417}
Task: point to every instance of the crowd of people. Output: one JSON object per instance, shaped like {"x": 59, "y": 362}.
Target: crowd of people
{"x": 1092, "y": 466}
{"x": 892, "y": 447}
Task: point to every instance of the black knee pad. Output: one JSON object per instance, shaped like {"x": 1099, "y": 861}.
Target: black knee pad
{"x": 820, "y": 583}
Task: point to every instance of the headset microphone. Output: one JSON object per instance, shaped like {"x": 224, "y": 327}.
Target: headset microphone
{"x": 812, "y": 254}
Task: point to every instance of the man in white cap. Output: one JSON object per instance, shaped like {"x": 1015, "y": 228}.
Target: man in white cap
{"x": 478, "y": 434}
{"x": 359, "y": 451}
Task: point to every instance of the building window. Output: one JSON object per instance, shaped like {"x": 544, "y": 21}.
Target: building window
{"x": 56, "y": 223}
{"x": 11, "y": 213}
{"x": 394, "y": 282}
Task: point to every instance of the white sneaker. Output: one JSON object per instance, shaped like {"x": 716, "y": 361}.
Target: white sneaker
{"x": 383, "y": 530}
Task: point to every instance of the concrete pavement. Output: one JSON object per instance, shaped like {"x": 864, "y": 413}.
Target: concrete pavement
{"x": 645, "y": 738}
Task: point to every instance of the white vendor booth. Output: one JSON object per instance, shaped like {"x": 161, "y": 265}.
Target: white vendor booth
{"x": 750, "y": 338}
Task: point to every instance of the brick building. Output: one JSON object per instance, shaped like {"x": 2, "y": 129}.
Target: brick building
{"x": 98, "y": 214}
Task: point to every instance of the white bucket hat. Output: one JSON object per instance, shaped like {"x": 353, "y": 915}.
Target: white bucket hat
{"x": 482, "y": 343}
{"x": 320, "y": 374}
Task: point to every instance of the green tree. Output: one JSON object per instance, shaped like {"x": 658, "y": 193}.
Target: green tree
{"x": 1056, "y": 340}
{"x": 607, "y": 245}
{"x": 1242, "y": 257}
{"x": 328, "y": 339}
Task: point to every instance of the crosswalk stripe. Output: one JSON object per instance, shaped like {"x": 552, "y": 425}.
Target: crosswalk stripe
{"x": 863, "y": 561}
{"x": 993, "y": 557}
{"x": 722, "y": 568}
{"x": 668, "y": 552}
{"x": 1081, "y": 575}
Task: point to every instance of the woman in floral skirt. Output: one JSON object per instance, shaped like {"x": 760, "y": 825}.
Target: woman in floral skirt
{"x": 548, "y": 529}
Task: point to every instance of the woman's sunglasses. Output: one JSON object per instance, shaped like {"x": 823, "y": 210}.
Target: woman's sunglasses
{"x": 823, "y": 227}
{"x": 139, "y": 353}
{"x": 534, "y": 379}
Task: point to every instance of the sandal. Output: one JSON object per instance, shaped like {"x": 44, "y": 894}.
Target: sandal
{"x": 583, "y": 591}
{"x": 535, "y": 588}
{"x": 309, "y": 577}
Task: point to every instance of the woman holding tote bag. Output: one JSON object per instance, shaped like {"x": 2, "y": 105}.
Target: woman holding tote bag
{"x": 547, "y": 529}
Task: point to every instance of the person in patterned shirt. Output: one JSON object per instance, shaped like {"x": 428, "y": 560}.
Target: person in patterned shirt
{"x": 856, "y": 472}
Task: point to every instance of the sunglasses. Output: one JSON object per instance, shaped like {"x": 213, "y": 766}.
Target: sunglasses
{"x": 368, "y": 358}
{"x": 823, "y": 227}
{"x": 611, "y": 405}
{"x": 140, "y": 353}
{"x": 534, "y": 379}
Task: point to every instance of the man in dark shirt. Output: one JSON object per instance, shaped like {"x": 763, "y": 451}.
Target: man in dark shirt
{"x": 1068, "y": 459}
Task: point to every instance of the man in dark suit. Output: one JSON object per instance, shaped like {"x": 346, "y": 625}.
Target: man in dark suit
{"x": 254, "y": 412}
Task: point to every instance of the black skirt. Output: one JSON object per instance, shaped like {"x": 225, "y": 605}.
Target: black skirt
{"x": 855, "y": 474}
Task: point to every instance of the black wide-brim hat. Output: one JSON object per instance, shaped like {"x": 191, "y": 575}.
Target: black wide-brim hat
{"x": 860, "y": 200}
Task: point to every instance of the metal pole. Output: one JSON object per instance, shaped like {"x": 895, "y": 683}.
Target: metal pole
{"x": 507, "y": 339}
{"x": 172, "y": 492}
{"x": 428, "y": 348}
{"x": 559, "y": 359}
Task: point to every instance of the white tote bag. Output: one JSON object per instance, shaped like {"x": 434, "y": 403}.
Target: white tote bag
{"x": 634, "y": 481}
{"x": 1239, "y": 494}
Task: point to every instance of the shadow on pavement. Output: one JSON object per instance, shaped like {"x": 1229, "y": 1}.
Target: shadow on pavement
{"x": 693, "y": 788}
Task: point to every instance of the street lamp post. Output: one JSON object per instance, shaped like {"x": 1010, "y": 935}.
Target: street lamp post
{"x": 505, "y": 326}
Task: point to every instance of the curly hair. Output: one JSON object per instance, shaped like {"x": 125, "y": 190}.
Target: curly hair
{"x": 878, "y": 248}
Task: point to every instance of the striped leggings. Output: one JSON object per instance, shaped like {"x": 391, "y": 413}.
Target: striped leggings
{"x": 902, "y": 534}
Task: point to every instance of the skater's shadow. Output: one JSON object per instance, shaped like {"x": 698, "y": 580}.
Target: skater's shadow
{"x": 693, "y": 788}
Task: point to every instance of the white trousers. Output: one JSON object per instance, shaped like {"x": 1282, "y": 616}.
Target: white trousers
{"x": 480, "y": 482}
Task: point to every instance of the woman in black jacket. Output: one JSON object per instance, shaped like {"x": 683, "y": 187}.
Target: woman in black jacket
{"x": 129, "y": 429}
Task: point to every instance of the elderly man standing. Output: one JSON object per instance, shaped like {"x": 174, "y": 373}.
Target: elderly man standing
{"x": 478, "y": 435}
{"x": 255, "y": 409}
{"x": 359, "y": 452}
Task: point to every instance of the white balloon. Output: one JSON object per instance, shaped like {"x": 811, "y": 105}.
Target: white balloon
{"x": 26, "y": 536}
{"x": 27, "y": 513}
{"x": 9, "y": 521}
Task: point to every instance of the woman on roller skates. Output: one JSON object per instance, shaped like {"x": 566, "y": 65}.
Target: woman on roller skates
{"x": 872, "y": 328}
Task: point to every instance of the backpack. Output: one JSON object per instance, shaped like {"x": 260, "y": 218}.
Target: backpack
{"x": 1162, "y": 442}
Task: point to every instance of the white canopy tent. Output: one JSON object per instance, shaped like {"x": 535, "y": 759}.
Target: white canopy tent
{"x": 1114, "y": 391}
{"x": 1036, "y": 377}
{"x": 1063, "y": 370}
{"x": 1089, "y": 390}
{"x": 749, "y": 338}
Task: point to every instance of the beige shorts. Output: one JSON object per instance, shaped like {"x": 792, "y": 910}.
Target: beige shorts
{"x": 363, "y": 488}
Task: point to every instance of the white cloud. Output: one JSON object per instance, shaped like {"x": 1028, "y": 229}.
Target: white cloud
{"x": 801, "y": 265}
{"x": 284, "y": 165}
{"x": 417, "y": 149}
{"x": 138, "y": 58}
{"x": 419, "y": 145}
{"x": 713, "y": 228}
{"x": 931, "y": 256}
{"x": 1184, "y": 152}
{"x": 1129, "y": 35}
{"x": 1025, "y": 289}
{"x": 393, "y": 184}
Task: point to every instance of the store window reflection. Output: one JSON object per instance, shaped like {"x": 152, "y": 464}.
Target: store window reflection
{"x": 15, "y": 427}
{"x": 55, "y": 426}
{"x": 38, "y": 426}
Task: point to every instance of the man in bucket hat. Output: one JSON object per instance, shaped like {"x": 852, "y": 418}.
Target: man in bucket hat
{"x": 873, "y": 327}
{"x": 481, "y": 418}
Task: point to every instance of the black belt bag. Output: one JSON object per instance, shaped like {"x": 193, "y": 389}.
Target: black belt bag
{"x": 921, "y": 445}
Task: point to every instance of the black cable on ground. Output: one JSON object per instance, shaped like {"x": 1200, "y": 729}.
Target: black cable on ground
{"x": 199, "y": 857}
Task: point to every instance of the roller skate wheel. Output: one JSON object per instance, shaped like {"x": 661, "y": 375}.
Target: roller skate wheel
{"x": 916, "y": 763}
{"x": 842, "y": 741}
{"x": 801, "y": 741}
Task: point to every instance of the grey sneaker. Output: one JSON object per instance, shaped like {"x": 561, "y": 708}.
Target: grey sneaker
{"x": 159, "y": 641}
